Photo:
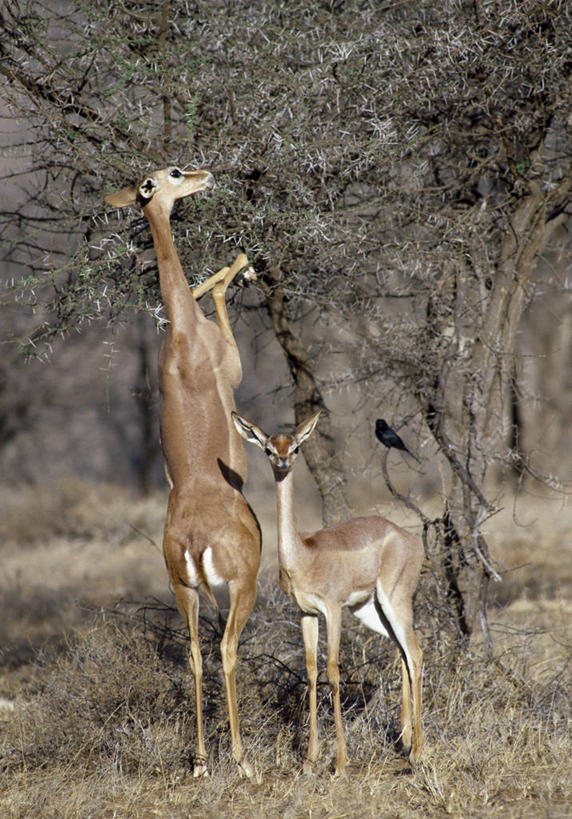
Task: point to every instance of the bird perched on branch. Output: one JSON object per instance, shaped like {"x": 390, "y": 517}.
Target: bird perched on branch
{"x": 390, "y": 438}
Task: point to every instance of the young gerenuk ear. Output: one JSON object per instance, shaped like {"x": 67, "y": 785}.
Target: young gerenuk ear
{"x": 121, "y": 198}
{"x": 250, "y": 432}
{"x": 306, "y": 428}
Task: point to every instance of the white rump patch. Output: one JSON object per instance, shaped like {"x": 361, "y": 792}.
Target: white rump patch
{"x": 212, "y": 576}
{"x": 192, "y": 575}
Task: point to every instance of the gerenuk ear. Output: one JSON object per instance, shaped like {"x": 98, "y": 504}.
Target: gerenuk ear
{"x": 306, "y": 428}
{"x": 122, "y": 198}
{"x": 250, "y": 432}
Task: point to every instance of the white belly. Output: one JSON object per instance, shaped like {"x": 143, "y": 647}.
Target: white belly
{"x": 367, "y": 613}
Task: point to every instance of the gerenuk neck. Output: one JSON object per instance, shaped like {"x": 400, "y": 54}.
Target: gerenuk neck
{"x": 289, "y": 542}
{"x": 175, "y": 290}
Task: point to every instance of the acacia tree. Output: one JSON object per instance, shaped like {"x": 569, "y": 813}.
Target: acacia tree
{"x": 397, "y": 171}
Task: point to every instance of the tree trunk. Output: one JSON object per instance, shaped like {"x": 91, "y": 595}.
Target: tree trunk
{"x": 464, "y": 407}
{"x": 319, "y": 452}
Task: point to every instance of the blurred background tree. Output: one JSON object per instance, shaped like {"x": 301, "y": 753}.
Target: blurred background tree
{"x": 400, "y": 176}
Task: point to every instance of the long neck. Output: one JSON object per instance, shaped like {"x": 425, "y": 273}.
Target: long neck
{"x": 288, "y": 538}
{"x": 175, "y": 290}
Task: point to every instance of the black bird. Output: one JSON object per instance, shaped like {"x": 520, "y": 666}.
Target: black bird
{"x": 390, "y": 438}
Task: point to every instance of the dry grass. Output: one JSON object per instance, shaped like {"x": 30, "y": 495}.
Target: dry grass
{"x": 97, "y": 711}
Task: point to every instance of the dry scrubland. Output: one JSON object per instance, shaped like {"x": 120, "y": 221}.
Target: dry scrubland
{"x": 96, "y": 705}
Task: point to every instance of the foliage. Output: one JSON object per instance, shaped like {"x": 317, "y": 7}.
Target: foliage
{"x": 366, "y": 140}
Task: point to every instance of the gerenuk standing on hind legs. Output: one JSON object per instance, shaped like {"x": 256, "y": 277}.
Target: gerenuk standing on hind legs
{"x": 211, "y": 535}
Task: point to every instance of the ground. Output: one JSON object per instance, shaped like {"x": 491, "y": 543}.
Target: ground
{"x": 96, "y": 696}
